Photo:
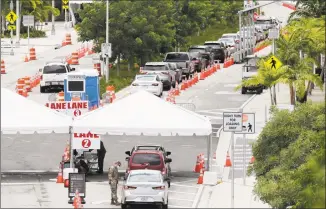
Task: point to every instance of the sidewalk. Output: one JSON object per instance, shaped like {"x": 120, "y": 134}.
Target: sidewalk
{"x": 317, "y": 95}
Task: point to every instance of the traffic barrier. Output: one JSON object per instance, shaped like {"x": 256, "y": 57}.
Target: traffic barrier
{"x": 252, "y": 160}
{"x": 60, "y": 174}
{"x": 186, "y": 84}
{"x": 26, "y": 59}
{"x": 27, "y": 81}
{"x": 198, "y": 164}
{"x": 74, "y": 58}
{"x": 171, "y": 97}
{"x": 97, "y": 66}
{"x": 201, "y": 177}
{"x": 3, "y": 67}
{"x": 32, "y": 54}
{"x": 77, "y": 203}
{"x": 111, "y": 91}
{"x": 228, "y": 160}
{"x": 61, "y": 96}
{"x": 177, "y": 90}
{"x": 68, "y": 39}
{"x": 20, "y": 86}
{"x": 183, "y": 86}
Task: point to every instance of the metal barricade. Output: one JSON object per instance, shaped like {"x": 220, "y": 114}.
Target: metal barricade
{"x": 188, "y": 106}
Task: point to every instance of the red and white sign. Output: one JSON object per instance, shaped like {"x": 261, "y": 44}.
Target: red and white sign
{"x": 86, "y": 141}
{"x": 72, "y": 108}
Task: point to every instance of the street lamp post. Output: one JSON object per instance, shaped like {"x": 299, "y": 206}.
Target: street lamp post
{"x": 107, "y": 41}
{"x": 18, "y": 23}
{"x": 11, "y": 32}
{"x": 53, "y": 28}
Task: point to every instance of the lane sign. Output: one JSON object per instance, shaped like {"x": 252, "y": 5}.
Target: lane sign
{"x": 28, "y": 20}
{"x": 11, "y": 27}
{"x": 274, "y": 63}
{"x": 11, "y": 17}
{"x": 248, "y": 123}
{"x": 77, "y": 113}
{"x": 86, "y": 141}
{"x": 69, "y": 107}
{"x": 232, "y": 121}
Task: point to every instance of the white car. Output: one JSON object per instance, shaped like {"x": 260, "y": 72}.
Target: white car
{"x": 148, "y": 82}
{"x": 229, "y": 44}
{"x": 53, "y": 75}
{"x": 145, "y": 187}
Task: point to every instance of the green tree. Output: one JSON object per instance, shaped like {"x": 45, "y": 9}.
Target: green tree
{"x": 311, "y": 8}
{"x": 290, "y": 158}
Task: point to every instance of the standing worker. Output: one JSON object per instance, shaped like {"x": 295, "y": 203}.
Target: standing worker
{"x": 101, "y": 155}
{"x": 113, "y": 181}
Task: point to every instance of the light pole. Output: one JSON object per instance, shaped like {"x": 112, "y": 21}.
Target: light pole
{"x": 107, "y": 41}
{"x": 53, "y": 28}
{"x": 11, "y": 32}
{"x": 18, "y": 23}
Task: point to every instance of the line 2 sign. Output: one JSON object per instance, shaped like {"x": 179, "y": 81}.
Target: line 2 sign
{"x": 86, "y": 141}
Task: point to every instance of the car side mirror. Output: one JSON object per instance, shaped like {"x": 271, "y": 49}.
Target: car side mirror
{"x": 127, "y": 159}
{"x": 128, "y": 153}
{"x": 40, "y": 70}
{"x": 73, "y": 69}
{"x": 168, "y": 153}
{"x": 168, "y": 160}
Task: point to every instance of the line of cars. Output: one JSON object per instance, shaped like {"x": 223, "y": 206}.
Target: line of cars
{"x": 147, "y": 177}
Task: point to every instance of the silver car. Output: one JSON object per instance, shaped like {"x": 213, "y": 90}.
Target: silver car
{"x": 145, "y": 187}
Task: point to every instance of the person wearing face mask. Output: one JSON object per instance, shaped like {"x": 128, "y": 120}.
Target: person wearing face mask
{"x": 113, "y": 182}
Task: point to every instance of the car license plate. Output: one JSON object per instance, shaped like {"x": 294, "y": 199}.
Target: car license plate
{"x": 144, "y": 198}
{"x": 55, "y": 83}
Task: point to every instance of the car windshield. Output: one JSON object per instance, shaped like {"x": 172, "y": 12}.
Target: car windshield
{"x": 228, "y": 36}
{"x": 146, "y": 148}
{"x": 53, "y": 69}
{"x": 154, "y": 67}
{"x": 214, "y": 45}
{"x": 145, "y": 78}
{"x": 150, "y": 158}
{"x": 193, "y": 50}
{"x": 145, "y": 177}
{"x": 177, "y": 57}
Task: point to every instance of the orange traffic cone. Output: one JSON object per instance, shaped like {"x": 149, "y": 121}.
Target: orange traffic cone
{"x": 228, "y": 160}
{"x": 198, "y": 165}
{"x": 60, "y": 177}
{"x": 201, "y": 177}
{"x": 252, "y": 160}
{"x": 26, "y": 59}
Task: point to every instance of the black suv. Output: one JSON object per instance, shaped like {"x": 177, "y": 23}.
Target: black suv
{"x": 217, "y": 50}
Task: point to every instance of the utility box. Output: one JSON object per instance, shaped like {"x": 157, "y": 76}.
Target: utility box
{"x": 84, "y": 84}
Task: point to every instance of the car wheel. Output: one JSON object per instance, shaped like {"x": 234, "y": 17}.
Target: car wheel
{"x": 42, "y": 89}
{"x": 124, "y": 206}
{"x": 243, "y": 91}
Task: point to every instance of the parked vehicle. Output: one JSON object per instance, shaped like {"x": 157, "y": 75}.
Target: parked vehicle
{"x": 230, "y": 45}
{"x": 151, "y": 147}
{"x": 205, "y": 54}
{"x": 145, "y": 187}
{"x": 162, "y": 69}
{"x": 148, "y": 159}
{"x": 250, "y": 69}
{"x": 264, "y": 23}
{"x": 183, "y": 61}
{"x": 198, "y": 60}
{"x": 53, "y": 75}
{"x": 178, "y": 73}
{"x": 234, "y": 36}
{"x": 150, "y": 83}
{"x": 217, "y": 50}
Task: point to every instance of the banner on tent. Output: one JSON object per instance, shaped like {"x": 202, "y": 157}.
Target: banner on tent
{"x": 72, "y": 108}
{"x": 86, "y": 141}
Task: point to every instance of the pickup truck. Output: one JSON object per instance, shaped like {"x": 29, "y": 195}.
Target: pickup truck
{"x": 183, "y": 61}
{"x": 53, "y": 75}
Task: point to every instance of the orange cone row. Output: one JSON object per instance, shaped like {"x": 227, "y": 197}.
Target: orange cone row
{"x": 228, "y": 62}
{"x": 228, "y": 160}
{"x": 3, "y": 67}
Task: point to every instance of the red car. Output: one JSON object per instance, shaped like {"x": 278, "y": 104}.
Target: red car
{"x": 148, "y": 159}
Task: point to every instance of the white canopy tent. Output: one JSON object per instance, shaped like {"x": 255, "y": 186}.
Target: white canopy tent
{"x": 143, "y": 113}
{"x": 24, "y": 116}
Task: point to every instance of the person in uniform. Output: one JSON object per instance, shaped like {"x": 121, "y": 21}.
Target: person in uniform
{"x": 101, "y": 155}
{"x": 113, "y": 181}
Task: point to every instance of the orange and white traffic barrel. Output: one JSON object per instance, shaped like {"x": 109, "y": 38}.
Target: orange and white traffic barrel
{"x": 3, "y": 67}
{"x": 68, "y": 39}
{"x": 20, "y": 86}
{"x": 74, "y": 58}
{"x": 61, "y": 96}
{"x": 32, "y": 54}
{"x": 27, "y": 83}
{"x": 110, "y": 90}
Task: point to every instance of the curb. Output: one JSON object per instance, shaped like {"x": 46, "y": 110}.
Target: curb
{"x": 198, "y": 196}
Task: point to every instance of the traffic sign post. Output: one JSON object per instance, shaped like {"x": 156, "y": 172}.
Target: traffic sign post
{"x": 65, "y": 7}
{"x": 274, "y": 62}
{"x": 11, "y": 18}
{"x": 28, "y": 20}
{"x": 232, "y": 122}
{"x": 248, "y": 127}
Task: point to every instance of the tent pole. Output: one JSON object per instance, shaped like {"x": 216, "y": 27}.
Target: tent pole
{"x": 209, "y": 146}
{"x": 71, "y": 150}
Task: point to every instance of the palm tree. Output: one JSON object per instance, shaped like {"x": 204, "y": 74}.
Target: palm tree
{"x": 266, "y": 76}
{"x": 309, "y": 8}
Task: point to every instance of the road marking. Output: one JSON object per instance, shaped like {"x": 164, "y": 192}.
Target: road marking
{"x": 181, "y": 192}
{"x": 180, "y": 199}
{"x": 226, "y": 92}
{"x": 180, "y": 185}
{"x": 175, "y": 206}
{"x": 194, "y": 180}
{"x": 123, "y": 141}
{"x": 231, "y": 85}
{"x": 31, "y": 183}
{"x": 187, "y": 145}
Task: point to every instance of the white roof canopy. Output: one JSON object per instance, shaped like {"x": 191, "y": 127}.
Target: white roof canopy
{"x": 24, "y": 116}
{"x": 143, "y": 114}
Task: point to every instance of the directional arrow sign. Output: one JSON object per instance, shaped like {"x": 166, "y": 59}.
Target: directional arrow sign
{"x": 11, "y": 17}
